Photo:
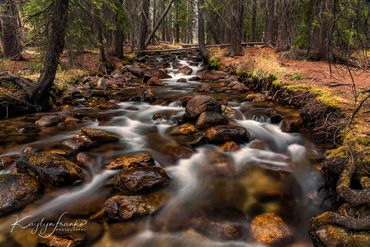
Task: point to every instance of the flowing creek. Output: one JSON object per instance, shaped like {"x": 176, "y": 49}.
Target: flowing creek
{"x": 275, "y": 172}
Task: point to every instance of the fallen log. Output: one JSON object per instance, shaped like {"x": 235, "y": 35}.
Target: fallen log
{"x": 194, "y": 47}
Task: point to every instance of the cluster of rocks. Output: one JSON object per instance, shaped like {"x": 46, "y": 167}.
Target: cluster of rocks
{"x": 47, "y": 169}
{"x": 207, "y": 116}
{"x": 137, "y": 184}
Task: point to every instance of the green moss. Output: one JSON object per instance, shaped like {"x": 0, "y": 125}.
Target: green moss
{"x": 214, "y": 62}
{"x": 276, "y": 83}
{"x": 298, "y": 76}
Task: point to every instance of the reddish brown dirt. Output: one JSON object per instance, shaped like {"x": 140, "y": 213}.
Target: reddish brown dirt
{"x": 336, "y": 80}
{"x": 314, "y": 72}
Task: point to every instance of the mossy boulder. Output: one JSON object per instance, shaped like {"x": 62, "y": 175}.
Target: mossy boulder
{"x": 127, "y": 207}
{"x": 225, "y": 133}
{"x": 127, "y": 162}
{"x": 17, "y": 190}
{"x": 100, "y": 135}
{"x": 140, "y": 180}
{"x": 51, "y": 169}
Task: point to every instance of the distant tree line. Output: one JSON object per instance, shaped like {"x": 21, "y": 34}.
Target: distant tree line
{"x": 324, "y": 29}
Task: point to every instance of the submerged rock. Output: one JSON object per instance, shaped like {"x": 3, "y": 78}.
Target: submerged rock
{"x": 100, "y": 135}
{"x": 225, "y": 133}
{"x": 50, "y": 120}
{"x": 209, "y": 119}
{"x": 51, "y": 169}
{"x": 199, "y": 104}
{"x": 17, "y": 190}
{"x": 185, "y": 129}
{"x": 224, "y": 224}
{"x": 270, "y": 229}
{"x": 127, "y": 207}
{"x": 140, "y": 180}
{"x": 127, "y": 162}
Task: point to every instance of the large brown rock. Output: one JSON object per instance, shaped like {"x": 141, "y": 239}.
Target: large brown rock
{"x": 17, "y": 190}
{"x": 50, "y": 120}
{"x": 225, "y": 133}
{"x": 199, "y": 104}
{"x": 212, "y": 75}
{"x": 136, "y": 71}
{"x": 79, "y": 142}
{"x": 140, "y": 180}
{"x": 127, "y": 162}
{"x": 186, "y": 70}
{"x": 51, "y": 169}
{"x": 100, "y": 135}
{"x": 160, "y": 74}
{"x": 155, "y": 81}
{"x": 270, "y": 229}
{"x": 208, "y": 119}
{"x": 128, "y": 207}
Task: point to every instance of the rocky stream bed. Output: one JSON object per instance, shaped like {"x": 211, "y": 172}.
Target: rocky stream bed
{"x": 159, "y": 153}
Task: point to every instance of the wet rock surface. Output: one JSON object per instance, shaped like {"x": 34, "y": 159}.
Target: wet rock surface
{"x": 140, "y": 180}
{"x": 270, "y": 229}
{"x": 128, "y": 162}
{"x": 79, "y": 142}
{"x": 47, "y": 121}
{"x": 51, "y": 169}
{"x": 225, "y": 133}
{"x": 209, "y": 119}
{"x": 100, "y": 135}
{"x": 17, "y": 191}
{"x": 128, "y": 207}
{"x": 199, "y": 104}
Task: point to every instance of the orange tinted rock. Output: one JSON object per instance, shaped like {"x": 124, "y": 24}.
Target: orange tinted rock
{"x": 270, "y": 229}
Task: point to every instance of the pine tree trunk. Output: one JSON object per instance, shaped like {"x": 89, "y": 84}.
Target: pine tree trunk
{"x": 190, "y": 21}
{"x": 117, "y": 35}
{"x": 287, "y": 25}
{"x": 254, "y": 19}
{"x": 177, "y": 24}
{"x": 201, "y": 35}
{"x": 270, "y": 18}
{"x": 10, "y": 27}
{"x": 236, "y": 27}
{"x": 54, "y": 48}
{"x": 144, "y": 23}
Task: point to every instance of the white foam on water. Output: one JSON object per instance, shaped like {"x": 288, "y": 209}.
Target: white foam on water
{"x": 271, "y": 134}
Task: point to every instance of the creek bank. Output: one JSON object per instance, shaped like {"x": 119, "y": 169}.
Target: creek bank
{"x": 346, "y": 170}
